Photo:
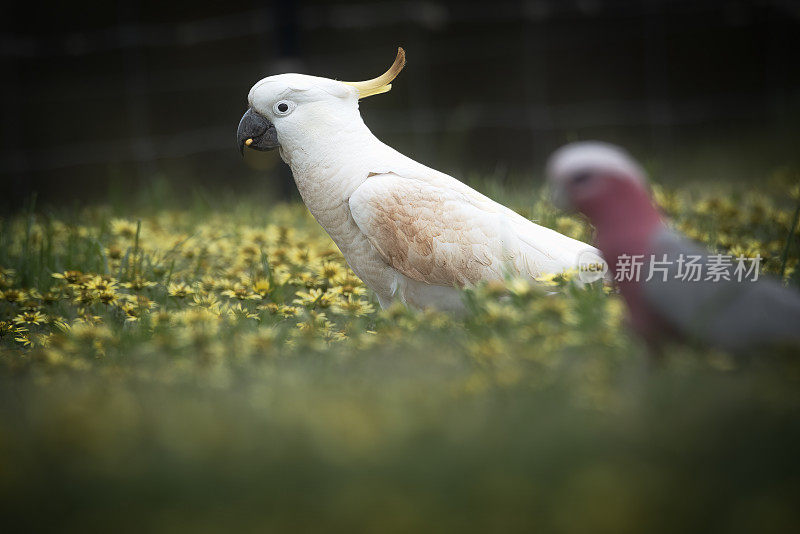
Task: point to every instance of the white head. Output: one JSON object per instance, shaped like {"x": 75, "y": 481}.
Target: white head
{"x": 286, "y": 109}
{"x": 581, "y": 172}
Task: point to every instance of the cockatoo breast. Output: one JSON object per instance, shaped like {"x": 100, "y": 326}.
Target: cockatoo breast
{"x": 327, "y": 168}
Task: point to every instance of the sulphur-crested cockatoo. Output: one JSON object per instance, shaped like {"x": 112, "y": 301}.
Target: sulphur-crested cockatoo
{"x": 408, "y": 231}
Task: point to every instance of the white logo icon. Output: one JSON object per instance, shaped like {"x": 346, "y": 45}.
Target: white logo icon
{"x": 591, "y": 267}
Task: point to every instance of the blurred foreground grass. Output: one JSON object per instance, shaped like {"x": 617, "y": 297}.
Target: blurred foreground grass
{"x": 216, "y": 366}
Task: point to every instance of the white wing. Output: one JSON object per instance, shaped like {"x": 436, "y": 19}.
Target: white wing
{"x": 439, "y": 231}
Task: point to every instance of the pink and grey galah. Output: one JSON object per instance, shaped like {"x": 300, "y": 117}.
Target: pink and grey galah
{"x": 672, "y": 286}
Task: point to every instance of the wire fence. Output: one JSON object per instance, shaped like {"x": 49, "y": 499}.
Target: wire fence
{"x": 430, "y": 15}
{"x": 141, "y": 83}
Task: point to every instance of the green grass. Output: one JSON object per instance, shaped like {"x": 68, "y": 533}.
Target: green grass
{"x": 259, "y": 401}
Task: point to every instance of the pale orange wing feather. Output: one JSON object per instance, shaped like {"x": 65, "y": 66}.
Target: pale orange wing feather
{"x": 432, "y": 234}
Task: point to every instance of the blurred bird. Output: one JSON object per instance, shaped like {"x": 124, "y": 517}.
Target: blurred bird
{"x": 409, "y": 232}
{"x": 730, "y": 312}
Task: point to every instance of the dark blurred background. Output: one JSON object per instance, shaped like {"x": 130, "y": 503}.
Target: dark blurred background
{"x": 111, "y": 96}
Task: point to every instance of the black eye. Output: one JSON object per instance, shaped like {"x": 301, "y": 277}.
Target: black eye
{"x": 283, "y": 107}
{"x": 581, "y": 178}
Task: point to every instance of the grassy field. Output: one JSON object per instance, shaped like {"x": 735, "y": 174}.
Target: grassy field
{"x": 217, "y": 366}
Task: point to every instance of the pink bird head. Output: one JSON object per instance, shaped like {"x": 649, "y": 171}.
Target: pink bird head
{"x": 604, "y": 183}
{"x": 587, "y": 176}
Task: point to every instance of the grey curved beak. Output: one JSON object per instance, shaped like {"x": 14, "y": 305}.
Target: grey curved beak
{"x": 558, "y": 196}
{"x": 256, "y": 132}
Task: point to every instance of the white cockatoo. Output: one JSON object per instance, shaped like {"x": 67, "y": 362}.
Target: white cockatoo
{"x": 408, "y": 231}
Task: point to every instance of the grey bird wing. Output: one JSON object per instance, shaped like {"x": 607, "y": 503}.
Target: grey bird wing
{"x": 732, "y": 315}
